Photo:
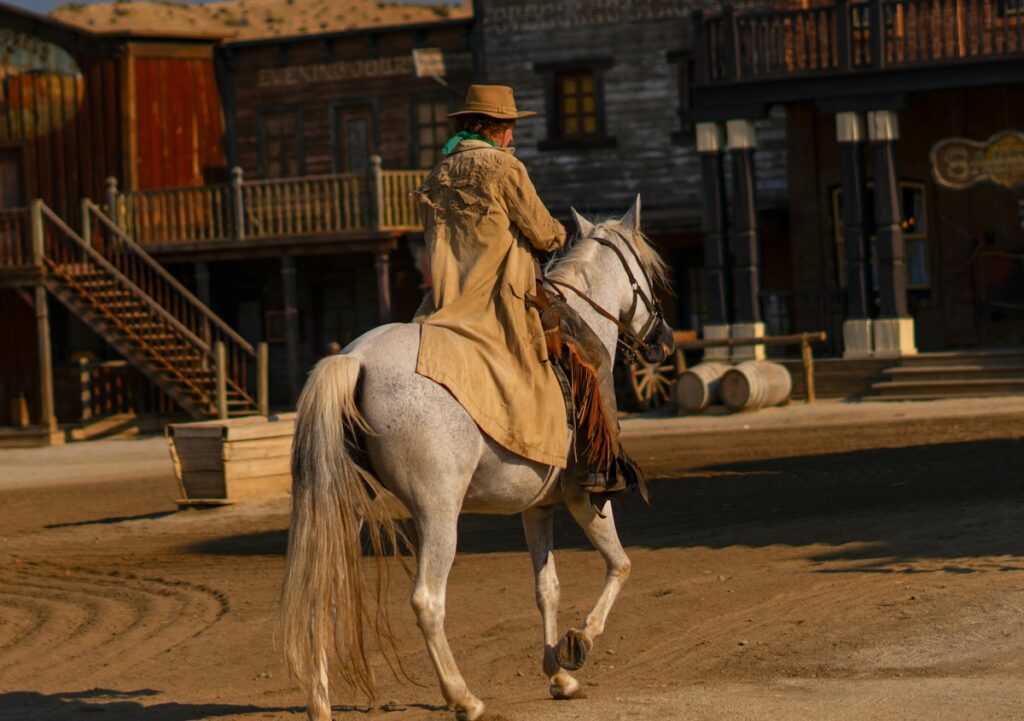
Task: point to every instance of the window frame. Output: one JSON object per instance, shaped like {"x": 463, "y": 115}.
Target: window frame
{"x": 551, "y": 73}
{"x": 261, "y": 135}
{"x": 839, "y": 241}
{"x": 686, "y": 81}
{"x": 414, "y": 125}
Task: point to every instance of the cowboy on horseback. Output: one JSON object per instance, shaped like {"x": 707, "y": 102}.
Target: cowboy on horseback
{"x": 482, "y": 335}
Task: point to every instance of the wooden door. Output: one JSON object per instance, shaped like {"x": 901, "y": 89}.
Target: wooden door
{"x": 356, "y": 138}
{"x": 12, "y": 178}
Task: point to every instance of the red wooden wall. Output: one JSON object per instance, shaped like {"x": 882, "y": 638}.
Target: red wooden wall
{"x": 179, "y": 123}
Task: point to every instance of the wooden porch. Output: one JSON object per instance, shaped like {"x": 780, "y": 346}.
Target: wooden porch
{"x": 797, "y": 53}
{"x": 345, "y": 211}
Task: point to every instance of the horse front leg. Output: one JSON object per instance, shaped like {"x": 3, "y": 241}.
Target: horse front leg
{"x": 576, "y": 644}
{"x": 436, "y": 555}
{"x": 537, "y": 524}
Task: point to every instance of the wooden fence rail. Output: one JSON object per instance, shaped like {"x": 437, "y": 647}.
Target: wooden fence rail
{"x": 336, "y": 205}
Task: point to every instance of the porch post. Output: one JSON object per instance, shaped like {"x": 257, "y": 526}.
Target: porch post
{"x": 746, "y": 271}
{"x": 894, "y": 329}
{"x": 291, "y": 325}
{"x": 202, "y": 275}
{"x": 47, "y": 416}
{"x": 716, "y": 272}
{"x": 382, "y": 262}
{"x": 850, "y": 133}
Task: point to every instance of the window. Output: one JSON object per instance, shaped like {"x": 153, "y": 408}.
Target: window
{"x": 280, "y": 135}
{"x": 686, "y": 78}
{"x": 576, "y": 100}
{"x": 1009, "y": 8}
{"x": 915, "y": 234}
{"x": 575, "y": 104}
{"x": 431, "y": 130}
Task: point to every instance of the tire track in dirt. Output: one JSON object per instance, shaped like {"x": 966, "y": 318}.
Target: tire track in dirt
{"x": 70, "y": 622}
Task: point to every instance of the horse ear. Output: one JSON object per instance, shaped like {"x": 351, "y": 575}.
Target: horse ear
{"x": 585, "y": 226}
{"x": 632, "y": 217}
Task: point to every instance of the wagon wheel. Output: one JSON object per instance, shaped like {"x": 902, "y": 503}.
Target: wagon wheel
{"x": 652, "y": 382}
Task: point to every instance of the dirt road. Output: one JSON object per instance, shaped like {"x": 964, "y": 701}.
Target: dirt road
{"x": 813, "y": 573}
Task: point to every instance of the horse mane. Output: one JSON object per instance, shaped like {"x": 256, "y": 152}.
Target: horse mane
{"x": 575, "y": 258}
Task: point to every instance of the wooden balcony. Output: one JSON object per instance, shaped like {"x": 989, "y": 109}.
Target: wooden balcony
{"x": 245, "y": 215}
{"x": 851, "y": 40}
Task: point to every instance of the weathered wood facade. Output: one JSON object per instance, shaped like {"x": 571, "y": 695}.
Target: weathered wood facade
{"x": 318, "y": 125}
{"x": 625, "y": 70}
{"x": 77, "y": 108}
{"x": 905, "y": 162}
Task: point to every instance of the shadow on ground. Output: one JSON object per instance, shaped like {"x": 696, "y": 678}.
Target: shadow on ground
{"x": 121, "y": 705}
{"x": 796, "y": 501}
{"x": 125, "y": 706}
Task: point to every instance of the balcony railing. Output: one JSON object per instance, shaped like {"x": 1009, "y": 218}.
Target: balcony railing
{"x": 320, "y": 206}
{"x": 855, "y": 36}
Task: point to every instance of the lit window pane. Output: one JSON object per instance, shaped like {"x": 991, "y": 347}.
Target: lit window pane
{"x": 588, "y": 104}
{"x": 589, "y": 124}
{"x": 572, "y": 125}
{"x": 440, "y": 111}
{"x": 423, "y": 113}
{"x": 569, "y": 85}
{"x": 426, "y": 135}
{"x": 588, "y": 83}
{"x": 426, "y": 158}
{"x": 569, "y": 106}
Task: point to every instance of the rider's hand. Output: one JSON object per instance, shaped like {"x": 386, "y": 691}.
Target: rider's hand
{"x": 562, "y": 234}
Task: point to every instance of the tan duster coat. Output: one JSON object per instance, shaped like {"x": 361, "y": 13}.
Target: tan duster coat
{"x": 480, "y": 215}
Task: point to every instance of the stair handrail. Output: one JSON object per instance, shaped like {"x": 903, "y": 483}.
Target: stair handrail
{"x": 146, "y": 258}
{"x": 141, "y": 295}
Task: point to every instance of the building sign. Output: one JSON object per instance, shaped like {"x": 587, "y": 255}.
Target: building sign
{"x": 41, "y": 86}
{"x": 341, "y": 70}
{"x": 960, "y": 163}
{"x": 533, "y": 16}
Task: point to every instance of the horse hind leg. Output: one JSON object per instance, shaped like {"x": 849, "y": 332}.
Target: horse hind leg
{"x": 537, "y": 525}
{"x": 576, "y": 644}
{"x": 436, "y": 555}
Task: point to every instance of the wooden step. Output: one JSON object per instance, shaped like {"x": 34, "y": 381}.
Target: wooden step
{"x": 950, "y": 388}
{"x": 955, "y": 372}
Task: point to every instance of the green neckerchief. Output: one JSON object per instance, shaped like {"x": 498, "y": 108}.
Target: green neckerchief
{"x": 464, "y": 135}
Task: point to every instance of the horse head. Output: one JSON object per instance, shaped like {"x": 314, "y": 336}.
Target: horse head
{"x": 639, "y": 270}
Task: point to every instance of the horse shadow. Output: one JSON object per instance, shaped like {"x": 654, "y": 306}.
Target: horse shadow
{"x": 867, "y": 496}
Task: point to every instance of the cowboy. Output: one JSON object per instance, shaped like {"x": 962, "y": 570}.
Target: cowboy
{"x": 480, "y": 338}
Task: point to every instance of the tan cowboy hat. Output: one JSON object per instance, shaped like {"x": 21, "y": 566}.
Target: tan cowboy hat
{"x": 494, "y": 101}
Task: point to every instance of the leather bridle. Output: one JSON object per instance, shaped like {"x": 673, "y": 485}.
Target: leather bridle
{"x": 632, "y": 343}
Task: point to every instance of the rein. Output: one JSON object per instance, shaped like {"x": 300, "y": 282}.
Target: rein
{"x": 637, "y": 342}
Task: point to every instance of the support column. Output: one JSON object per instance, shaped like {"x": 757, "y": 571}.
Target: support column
{"x": 291, "y": 325}
{"x": 202, "y": 275}
{"x": 716, "y": 271}
{"x": 383, "y": 265}
{"x": 857, "y": 338}
{"x": 47, "y": 417}
{"x": 743, "y": 239}
{"x": 894, "y": 329}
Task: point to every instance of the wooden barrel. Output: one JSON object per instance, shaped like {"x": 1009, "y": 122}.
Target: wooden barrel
{"x": 755, "y": 384}
{"x": 697, "y": 387}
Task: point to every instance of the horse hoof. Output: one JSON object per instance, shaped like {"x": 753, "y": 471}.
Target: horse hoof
{"x": 471, "y": 713}
{"x": 573, "y": 650}
{"x": 567, "y": 689}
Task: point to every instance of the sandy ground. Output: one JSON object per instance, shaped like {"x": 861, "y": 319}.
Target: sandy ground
{"x": 803, "y": 568}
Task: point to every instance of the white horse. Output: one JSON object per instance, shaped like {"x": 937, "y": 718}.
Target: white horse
{"x": 366, "y": 420}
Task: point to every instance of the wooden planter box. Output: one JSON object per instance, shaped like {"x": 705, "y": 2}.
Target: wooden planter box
{"x": 223, "y": 461}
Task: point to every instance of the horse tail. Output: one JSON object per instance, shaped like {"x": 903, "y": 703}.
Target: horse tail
{"x": 324, "y": 597}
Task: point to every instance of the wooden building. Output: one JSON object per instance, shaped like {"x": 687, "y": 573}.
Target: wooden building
{"x": 904, "y": 129}
{"x": 612, "y": 83}
{"x": 76, "y": 108}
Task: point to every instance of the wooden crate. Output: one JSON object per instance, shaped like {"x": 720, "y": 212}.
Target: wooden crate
{"x": 224, "y": 461}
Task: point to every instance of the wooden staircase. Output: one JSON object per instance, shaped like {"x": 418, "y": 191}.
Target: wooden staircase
{"x": 141, "y": 310}
{"x": 952, "y": 375}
